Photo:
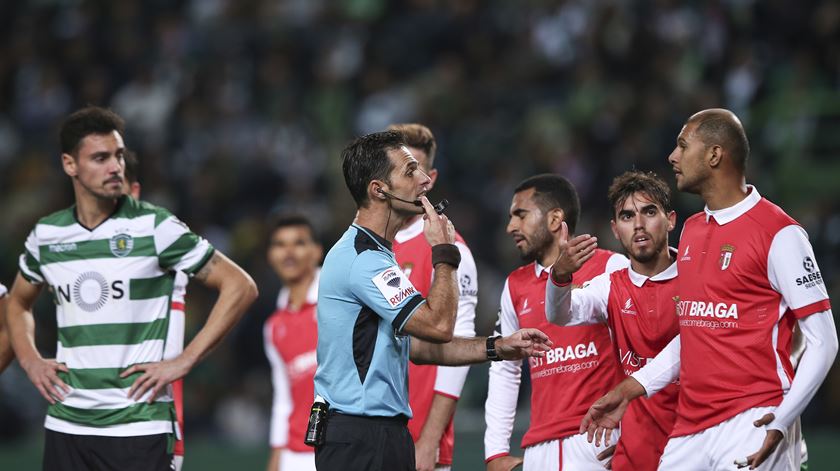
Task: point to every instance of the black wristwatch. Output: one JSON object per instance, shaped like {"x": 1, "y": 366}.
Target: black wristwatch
{"x": 492, "y": 354}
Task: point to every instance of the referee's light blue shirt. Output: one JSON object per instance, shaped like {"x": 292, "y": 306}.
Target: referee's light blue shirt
{"x": 364, "y": 301}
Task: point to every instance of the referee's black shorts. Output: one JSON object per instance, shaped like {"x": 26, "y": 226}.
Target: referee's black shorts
{"x": 359, "y": 443}
{"x": 67, "y": 452}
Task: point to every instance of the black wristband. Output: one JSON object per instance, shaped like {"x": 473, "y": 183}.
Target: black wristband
{"x": 446, "y": 253}
{"x": 492, "y": 354}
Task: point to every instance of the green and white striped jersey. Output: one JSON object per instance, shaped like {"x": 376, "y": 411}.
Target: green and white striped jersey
{"x": 112, "y": 287}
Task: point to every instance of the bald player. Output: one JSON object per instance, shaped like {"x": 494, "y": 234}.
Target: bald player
{"x": 747, "y": 275}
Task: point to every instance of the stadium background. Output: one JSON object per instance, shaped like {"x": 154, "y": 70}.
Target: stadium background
{"x": 239, "y": 109}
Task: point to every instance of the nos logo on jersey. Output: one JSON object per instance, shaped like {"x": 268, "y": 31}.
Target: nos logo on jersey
{"x": 121, "y": 245}
{"x": 90, "y": 291}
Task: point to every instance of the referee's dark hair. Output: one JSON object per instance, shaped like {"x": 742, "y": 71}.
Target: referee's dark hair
{"x": 636, "y": 181}
{"x": 366, "y": 159}
{"x": 551, "y": 191}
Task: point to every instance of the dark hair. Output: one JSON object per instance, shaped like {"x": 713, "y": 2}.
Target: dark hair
{"x": 721, "y": 127}
{"x": 87, "y": 121}
{"x": 291, "y": 220}
{"x": 419, "y": 137}
{"x": 132, "y": 166}
{"x": 624, "y": 185}
{"x": 551, "y": 191}
{"x": 366, "y": 159}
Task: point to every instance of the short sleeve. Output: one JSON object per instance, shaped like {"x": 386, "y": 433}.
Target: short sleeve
{"x": 3, "y": 290}
{"x": 378, "y": 282}
{"x": 30, "y": 260}
{"x": 178, "y": 248}
{"x": 793, "y": 271}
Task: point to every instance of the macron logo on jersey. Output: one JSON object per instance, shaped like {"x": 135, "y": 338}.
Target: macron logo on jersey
{"x": 394, "y": 286}
{"x": 707, "y": 309}
{"x": 628, "y": 308}
{"x": 685, "y": 256}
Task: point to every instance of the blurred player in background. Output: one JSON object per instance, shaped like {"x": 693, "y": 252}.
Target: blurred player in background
{"x": 637, "y": 303}
{"x": 433, "y": 390}
{"x": 6, "y": 352}
{"x": 109, "y": 263}
{"x": 291, "y": 336}
{"x": 747, "y": 275}
{"x": 582, "y": 363}
{"x": 177, "y": 319}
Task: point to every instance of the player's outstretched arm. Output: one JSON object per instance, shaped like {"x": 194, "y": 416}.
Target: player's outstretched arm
{"x": 237, "y": 291}
{"x": 521, "y": 344}
{"x": 605, "y": 414}
{"x": 504, "y": 463}
{"x": 21, "y": 325}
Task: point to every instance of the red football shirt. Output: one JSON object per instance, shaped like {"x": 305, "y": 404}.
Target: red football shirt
{"x": 414, "y": 255}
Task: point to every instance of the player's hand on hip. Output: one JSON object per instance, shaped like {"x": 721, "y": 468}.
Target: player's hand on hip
{"x": 44, "y": 375}
{"x": 771, "y": 441}
{"x": 522, "y": 344}
{"x": 573, "y": 253}
{"x": 154, "y": 377}
{"x": 437, "y": 228}
{"x": 505, "y": 463}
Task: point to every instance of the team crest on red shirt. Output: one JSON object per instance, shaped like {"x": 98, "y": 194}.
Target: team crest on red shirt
{"x": 726, "y": 251}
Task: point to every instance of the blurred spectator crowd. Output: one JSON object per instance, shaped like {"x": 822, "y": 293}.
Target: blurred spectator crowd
{"x": 239, "y": 110}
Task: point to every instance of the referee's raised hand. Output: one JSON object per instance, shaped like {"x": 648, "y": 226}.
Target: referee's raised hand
{"x": 437, "y": 228}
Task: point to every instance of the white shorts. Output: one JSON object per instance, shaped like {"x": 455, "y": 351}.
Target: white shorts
{"x": 717, "y": 447}
{"x": 297, "y": 460}
{"x": 577, "y": 455}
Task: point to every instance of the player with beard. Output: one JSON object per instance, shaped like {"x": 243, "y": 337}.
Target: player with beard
{"x": 637, "y": 303}
{"x": 582, "y": 363}
{"x": 748, "y": 274}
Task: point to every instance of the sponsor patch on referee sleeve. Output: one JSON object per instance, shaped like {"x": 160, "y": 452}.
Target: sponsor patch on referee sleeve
{"x": 394, "y": 286}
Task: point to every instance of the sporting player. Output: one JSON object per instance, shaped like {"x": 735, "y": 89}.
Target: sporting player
{"x": 109, "y": 263}
{"x": 637, "y": 303}
{"x": 291, "y": 336}
{"x": 177, "y": 318}
{"x": 747, "y": 274}
{"x": 582, "y": 363}
{"x": 433, "y": 391}
{"x": 6, "y": 352}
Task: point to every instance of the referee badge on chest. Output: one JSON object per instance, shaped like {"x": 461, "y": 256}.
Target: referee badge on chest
{"x": 726, "y": 251}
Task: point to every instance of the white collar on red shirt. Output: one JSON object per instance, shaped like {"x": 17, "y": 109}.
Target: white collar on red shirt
{"x": 410, "y": 232}
{"x": 311, "y": 295}
{"x": 727, "y": 215}
{"x": 671, "y": 272}
{"x": 538, "y": 269}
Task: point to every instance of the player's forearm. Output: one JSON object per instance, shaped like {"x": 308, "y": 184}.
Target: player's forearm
{"x": 820, "y": 352}
{"x": 274, "y": 460}
{"x": 663, "y": 370}
{"x": 441, "y": 412}
{"x": 558, "y": 303}
{"x": 500, "y": 406}
{"x": 236, "y": 293}
{"x": 20, "y": 324}
{"x": 6, "y": 353}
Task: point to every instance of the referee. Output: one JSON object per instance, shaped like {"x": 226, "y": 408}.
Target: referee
{"x": 371, "y": 319}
